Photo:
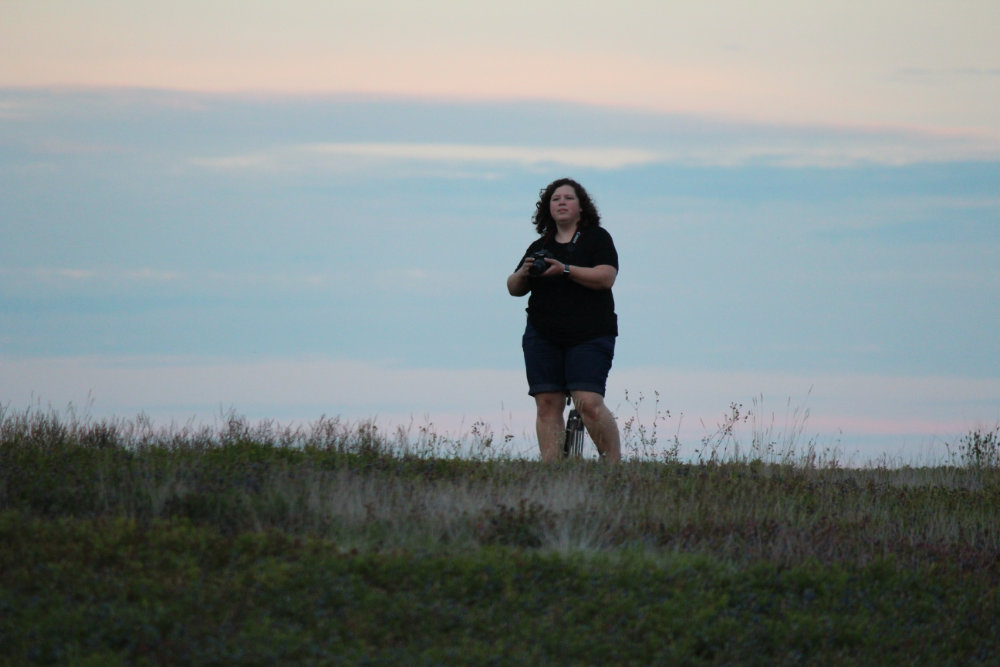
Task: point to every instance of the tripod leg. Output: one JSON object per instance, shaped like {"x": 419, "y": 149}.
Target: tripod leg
{"x": 573, "y": 445}
{"x": 568, "y": 439}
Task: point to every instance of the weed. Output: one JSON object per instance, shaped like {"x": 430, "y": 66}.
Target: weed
{"x": 722, "y": 443}
{"x": 979, "y": 449}
{"x": 640, "y": 441}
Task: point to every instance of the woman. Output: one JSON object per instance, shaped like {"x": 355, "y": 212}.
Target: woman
{"x": 569, "y": 340}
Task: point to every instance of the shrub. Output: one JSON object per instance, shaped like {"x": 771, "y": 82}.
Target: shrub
{"x": 979, "y": 449}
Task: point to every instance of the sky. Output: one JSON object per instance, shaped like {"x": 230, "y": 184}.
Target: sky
{"x": 297, "y": 209}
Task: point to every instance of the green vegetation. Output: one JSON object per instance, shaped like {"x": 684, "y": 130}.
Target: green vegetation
{"x": 336, "y": 543}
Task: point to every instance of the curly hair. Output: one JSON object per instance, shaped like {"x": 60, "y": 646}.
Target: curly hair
{"x": 544, "y": 225}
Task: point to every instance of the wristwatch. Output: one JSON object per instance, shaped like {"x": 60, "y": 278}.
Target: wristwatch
{"x": 566, "y": 270}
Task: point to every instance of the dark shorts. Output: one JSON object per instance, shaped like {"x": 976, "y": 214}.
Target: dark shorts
{"x": 552, "y": 367}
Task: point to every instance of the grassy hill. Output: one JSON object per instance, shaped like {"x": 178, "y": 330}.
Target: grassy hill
{"x": 336, "y": 543}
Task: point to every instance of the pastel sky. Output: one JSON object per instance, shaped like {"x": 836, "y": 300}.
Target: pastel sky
{"x": 293, "y": 209}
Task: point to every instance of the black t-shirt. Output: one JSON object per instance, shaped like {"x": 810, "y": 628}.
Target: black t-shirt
{"x": 564, "y": 311}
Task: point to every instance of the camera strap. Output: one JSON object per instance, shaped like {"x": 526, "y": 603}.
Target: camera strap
{"x": 572, "y": 244}
{"x": 569, "y": 248}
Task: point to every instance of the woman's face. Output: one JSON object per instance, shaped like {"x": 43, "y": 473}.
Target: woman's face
{"x": 564, "y": 207}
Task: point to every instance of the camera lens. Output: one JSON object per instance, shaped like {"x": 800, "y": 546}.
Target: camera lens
{"x": 538, "y": 263}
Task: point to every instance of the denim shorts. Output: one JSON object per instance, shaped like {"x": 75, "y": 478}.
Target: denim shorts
{"x": 551, "y": 367}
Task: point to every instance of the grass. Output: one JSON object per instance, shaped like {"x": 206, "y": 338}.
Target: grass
{"x": 336, "y": 543}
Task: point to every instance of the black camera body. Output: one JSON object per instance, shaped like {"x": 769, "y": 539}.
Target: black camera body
{"x": 538, "y": 263}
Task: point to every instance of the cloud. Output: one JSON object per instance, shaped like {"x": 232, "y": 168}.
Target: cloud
{"x": 14, "y": 110}
{"x": 454, "y": 139}
{"x": 51, "y": 146}
{"x": 284, "y": 285}
{"x": 236, "y": 162}
{"x": 55, "y": 276}
{"x": 592, "y": 157}
{"x": 18, "y": 281}
{"x": 68, "y": 274}
{"x": 333, "y": 155}
{"x": 729, "y": 58}
{"x": 203, "y": 279}
{"x": 788, "y": 148}
{"x": 152, "y": 275}
{"x": 945, "y": 75}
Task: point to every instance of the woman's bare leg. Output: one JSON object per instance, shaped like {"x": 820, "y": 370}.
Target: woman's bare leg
{"x": 600, "y": 423}
{"x": 549, "y": 424}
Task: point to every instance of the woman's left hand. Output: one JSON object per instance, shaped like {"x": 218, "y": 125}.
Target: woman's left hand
{"x": 554, "y": 268}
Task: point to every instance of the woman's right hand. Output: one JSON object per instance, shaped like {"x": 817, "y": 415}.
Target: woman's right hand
{"x": 517, "y": 282}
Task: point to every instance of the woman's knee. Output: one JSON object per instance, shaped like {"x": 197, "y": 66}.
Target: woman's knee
{"x": 550, "y": 404}
{"x": 590, "y": 404}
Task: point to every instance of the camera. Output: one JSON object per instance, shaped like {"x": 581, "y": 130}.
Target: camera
{"x": 538, "y": 263}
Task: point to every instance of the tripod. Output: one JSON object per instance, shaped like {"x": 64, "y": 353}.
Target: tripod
{"x": 573, "y": 445}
